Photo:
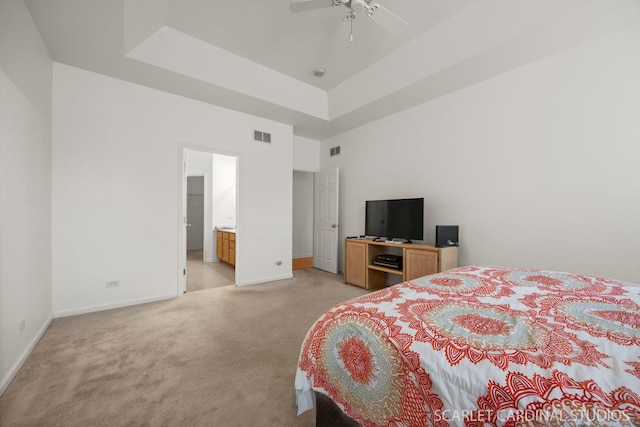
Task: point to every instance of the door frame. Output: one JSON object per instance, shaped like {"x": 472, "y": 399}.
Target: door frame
{"x": 181, "y": 282}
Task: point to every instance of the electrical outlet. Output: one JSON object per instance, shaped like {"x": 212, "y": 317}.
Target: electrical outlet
{"x": 112, "y": 283}
{"x": 21, "y": 325}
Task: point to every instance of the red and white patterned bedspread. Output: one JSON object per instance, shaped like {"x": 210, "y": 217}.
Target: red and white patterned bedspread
{"x": 481, "y": 346}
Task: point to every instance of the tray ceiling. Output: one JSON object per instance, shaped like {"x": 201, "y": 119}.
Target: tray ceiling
{"x": 258, "y": 57}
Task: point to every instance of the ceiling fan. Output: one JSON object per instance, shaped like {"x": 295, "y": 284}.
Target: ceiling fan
{"x": 391, "y": 22}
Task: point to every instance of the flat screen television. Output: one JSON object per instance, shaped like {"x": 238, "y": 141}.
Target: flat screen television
{"x": 395, "y": 219}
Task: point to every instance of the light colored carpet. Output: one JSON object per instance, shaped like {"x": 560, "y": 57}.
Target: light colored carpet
{"x": 218, "y": 357}
{"x": 206, "y": 275}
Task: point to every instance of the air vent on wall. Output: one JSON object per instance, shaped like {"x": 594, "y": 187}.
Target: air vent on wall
{"x": 334, "y": 151}
{"x": 261, "y": 136}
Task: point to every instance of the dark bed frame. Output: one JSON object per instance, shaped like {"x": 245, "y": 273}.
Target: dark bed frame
{"x": 328, "y": 414}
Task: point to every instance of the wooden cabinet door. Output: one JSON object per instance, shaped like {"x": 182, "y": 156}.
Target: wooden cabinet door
{"x": 219, "y": 245}
{"x": 232, "y": 250}
{"x": 419, "y": 263}
{"x": 355, "y": 266}
{"x": 225, "y": 246}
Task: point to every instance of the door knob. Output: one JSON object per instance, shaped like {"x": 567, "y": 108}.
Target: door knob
{"x": 334, "y": 225}
{"x": 188, "y": 225}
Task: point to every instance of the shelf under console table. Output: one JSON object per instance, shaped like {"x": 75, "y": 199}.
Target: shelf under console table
{"x": 417, "y": 260}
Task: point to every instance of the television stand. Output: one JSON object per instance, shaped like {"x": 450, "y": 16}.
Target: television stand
{"x": 395, "y": 240}
{"x": 418, "y": 260}
{"x": 398, "y": 240}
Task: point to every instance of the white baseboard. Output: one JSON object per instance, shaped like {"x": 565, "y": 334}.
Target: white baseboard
{"x": 266, "y": 280}
{"x": 119, "y": 304}
{"x": 23, "y": 357}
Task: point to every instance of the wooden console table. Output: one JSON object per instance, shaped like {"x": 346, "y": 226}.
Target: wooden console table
{"x": 417, "y": 260}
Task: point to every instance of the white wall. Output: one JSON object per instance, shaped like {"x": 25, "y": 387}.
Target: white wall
{"x": 306, "y": 154}
{"x": 25, "y": 187}
{"x": 116, "y": 171}
{"x": 224, "y": 191}
{"x": 538, "y": 166}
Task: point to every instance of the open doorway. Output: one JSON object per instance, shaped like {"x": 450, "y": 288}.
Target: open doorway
{"x": 315, "y": 220}
{"x": 302, "y": 245}
{"x": 208, "y": 203}
{"x": 195, "y": 215}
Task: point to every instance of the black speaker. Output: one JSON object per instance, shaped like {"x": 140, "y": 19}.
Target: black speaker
{"x": 446, "y": 235}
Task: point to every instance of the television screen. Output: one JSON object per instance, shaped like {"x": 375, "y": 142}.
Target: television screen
{"x": 395, "y": 219}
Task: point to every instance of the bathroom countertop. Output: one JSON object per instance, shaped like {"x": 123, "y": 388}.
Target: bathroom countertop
{"x": 227, "y": 229}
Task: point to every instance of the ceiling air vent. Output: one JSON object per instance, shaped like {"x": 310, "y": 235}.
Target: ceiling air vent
{"x": 261, "y": 136}
{"x": 334, "y": 151}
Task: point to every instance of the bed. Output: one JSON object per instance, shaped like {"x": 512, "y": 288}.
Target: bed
{"x": 478, "y": 346}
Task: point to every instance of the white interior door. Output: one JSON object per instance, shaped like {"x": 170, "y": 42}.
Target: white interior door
{"x": 325, "y": 221}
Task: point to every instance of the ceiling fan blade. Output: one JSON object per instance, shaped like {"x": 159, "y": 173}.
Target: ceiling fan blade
{"x": 304, "y": 5}
{"x": 390, "y": 21}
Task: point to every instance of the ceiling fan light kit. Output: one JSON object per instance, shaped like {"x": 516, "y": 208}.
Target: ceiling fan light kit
{"x": 358, "y": 6}
{"x": 384, "y": 17}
